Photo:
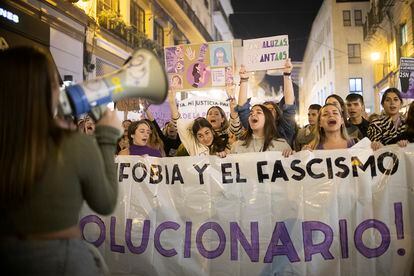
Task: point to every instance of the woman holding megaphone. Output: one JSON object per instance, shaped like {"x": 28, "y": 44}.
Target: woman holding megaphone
{"x": 47, "y": 172}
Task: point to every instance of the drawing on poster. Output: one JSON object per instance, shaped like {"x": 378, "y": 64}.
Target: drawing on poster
{"x": 199, "y": 75}
{"x": 220, "y": 55}
{"x": 176, "y": 81}
{"x": 190, "y": 66}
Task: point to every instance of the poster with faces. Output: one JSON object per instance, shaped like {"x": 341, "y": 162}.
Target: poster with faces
{"x": 199, "y": 66}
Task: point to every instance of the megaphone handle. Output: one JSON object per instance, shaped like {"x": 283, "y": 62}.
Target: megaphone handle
{"x": 97, "y": 112}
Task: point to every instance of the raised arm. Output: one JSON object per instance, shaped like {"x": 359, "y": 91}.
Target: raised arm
{"x": 235, "y": 125}
{"x": 148, "y": 112}
{"x": 243, "y": 107}
{"x": 288, "y": 84}
{"x": 244, "y": 79}
{"x": 173, "y": 105}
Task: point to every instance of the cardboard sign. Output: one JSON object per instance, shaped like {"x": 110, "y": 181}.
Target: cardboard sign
{"x": 199, "y": 66}
{"x": 265, "y": 53}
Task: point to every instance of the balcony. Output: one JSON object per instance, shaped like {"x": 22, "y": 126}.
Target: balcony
{"x": 372, "y": 21}
{"x": 194, "y": 19}
{"x": 375, "y": 16}
{"x": 114, "y": 24}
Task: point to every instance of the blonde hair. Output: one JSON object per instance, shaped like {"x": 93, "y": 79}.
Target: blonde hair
{"x": 319, "y": 132}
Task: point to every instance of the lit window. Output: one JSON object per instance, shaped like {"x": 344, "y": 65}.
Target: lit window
{"x": 137, "y": 17}
{"x": 403, "y": 31}
{"x": 355, "y": 85}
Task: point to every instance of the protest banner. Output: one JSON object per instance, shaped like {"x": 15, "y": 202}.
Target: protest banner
{"x": 265, "y": 53}
{"x": 407, "y": 77}
{"x": 198, "y": 107}
{"x": 339, "y": 212}
{"x": 199, "y": 66}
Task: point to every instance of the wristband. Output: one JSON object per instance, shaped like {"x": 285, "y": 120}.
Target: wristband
{"x": 244, "y": 79}
{"x": 287, "y": 73}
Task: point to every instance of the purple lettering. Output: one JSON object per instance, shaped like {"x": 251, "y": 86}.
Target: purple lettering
{"x": 157, "y": 243}
{"x": 101, "y": 225}
{"x": 187, "y": 243}
{"x": 309, "y": 247}
{"x": 343, "y": 236}
{"x": 251, "y": 249}
{"x": 115, "y": 247}
{"x": 385, "y": 235}
{"x": 144, "y": 239}
{"x": 280, "y": 233}
{"x": 222, "y": 240}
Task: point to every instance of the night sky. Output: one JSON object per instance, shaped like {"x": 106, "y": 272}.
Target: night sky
{"x": 261, "y": 18}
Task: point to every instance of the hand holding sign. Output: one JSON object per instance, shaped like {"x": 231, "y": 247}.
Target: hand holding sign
{"x": 288, "y": 67}
{"x": 243, "y": 73}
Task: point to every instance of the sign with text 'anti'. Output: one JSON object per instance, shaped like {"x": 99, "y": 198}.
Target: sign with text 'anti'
{"x": 342, "y": 212}
{"x": 265, "y": 53}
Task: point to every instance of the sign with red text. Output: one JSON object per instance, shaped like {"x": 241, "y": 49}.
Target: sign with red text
{"x": 265, "y": 53}
{"x": 340, "y": 212}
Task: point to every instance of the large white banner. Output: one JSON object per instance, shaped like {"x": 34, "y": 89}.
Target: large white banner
{"x": 342, "y": 212}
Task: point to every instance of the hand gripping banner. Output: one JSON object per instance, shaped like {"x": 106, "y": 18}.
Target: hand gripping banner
{"x": 341, "y": 212}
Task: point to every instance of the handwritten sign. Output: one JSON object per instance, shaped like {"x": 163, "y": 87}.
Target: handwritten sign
{"x": 265, "y": 53}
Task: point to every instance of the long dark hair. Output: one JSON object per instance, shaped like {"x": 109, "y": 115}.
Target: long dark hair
{"x": 195, "y": 69}
{"x": 28, "y": 88}
{"x": 270, "y": 132}
{"x": 225, "y": 125}
{"x": 218, "y": 144}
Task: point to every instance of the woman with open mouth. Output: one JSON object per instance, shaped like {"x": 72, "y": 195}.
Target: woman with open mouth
{"x": 331, "y": 131}
{"x": 353, "y": 131}
{"x": 218, "y": 120}
{"x": 139, "y": 135}
{"x": 261, "y": 134}
{"x": 198, "y": 136}
{"x": 387, "y": 127}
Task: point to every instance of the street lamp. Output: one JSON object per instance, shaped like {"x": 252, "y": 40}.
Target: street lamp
{"x": 375, "y": 56}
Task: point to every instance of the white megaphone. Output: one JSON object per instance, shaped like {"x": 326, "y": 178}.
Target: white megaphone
{"x": 142, "y": 77}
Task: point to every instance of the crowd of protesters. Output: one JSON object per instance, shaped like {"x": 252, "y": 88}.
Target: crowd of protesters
{"x": 50, "y": 170}
{"x": 269, "y": 126}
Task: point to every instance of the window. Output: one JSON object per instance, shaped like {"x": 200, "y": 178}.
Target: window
{"x": 354, "y": 53}
{"x": 108, "y": 5}
{"x": 346, "y": 16}
{"x": 358, "y": 17}
{"x": 403, "y": 31}
{"x": 355, "y": 85}
{"x": 158, "y": 34}
{"x": 330, "y": 59}
{"x": 137, "y": 17}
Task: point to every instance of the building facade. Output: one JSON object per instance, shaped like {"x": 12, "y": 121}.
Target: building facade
{"x": 335, "y": 60}
{"x": 388, "y": 36}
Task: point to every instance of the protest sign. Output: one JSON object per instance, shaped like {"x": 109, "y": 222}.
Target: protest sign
{"x": 340, "y": 212}
{"x": 265, "y": 53}
{"x": 199, "y": 66}
{"x": 161, "y": 113}
{"x": 407, "y": 77}
{"x": 198, "y": 107}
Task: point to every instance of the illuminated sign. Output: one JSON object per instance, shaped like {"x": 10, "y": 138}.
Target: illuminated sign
{"x": 9, "y": 15}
